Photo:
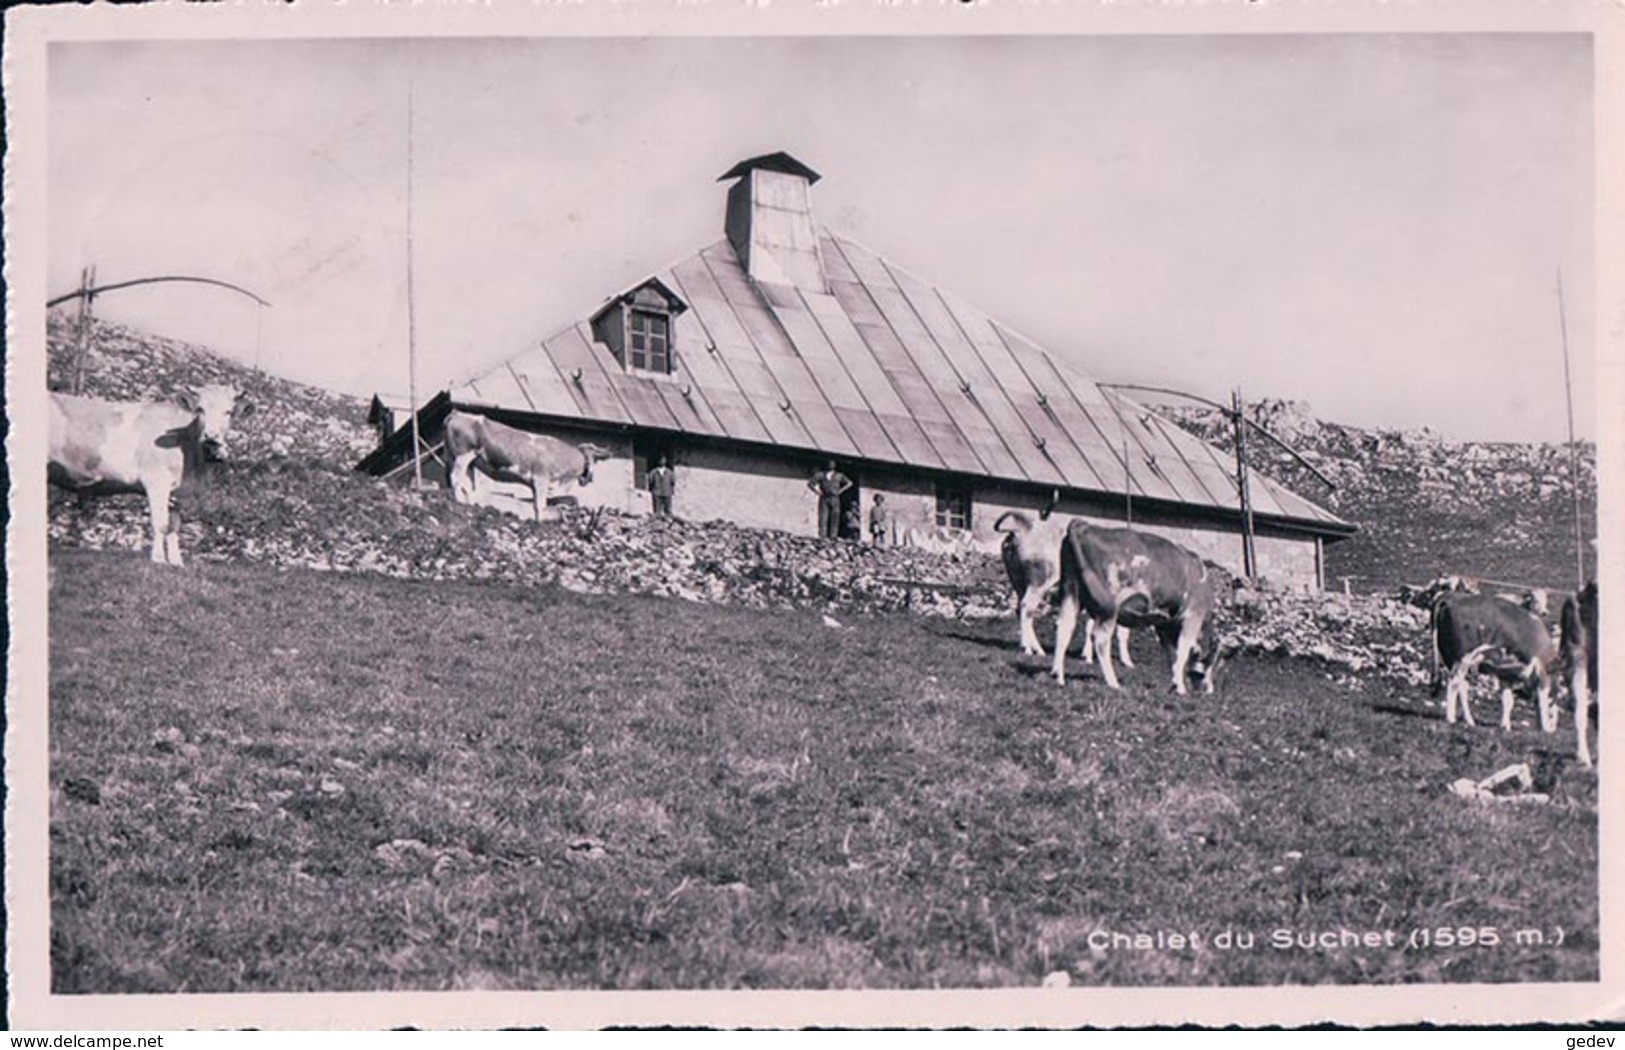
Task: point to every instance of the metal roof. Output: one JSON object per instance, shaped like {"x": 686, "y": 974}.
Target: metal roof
{"x": 884, "y": 367}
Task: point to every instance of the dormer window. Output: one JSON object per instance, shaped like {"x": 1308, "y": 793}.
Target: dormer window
{"x": 648, "y": 341}
{"x": 640, "y": 329}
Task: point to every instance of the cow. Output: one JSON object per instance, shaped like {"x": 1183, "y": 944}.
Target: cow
{"x": 1424, "y": 597}
{"x": 1120, "y": 576}
{"x": 108, "y": 447}
{"x": 1032, "y": 560}
{"x": 508, "y": 454}
{"x": 1578, "y": 656}
{"x": 1536, "y": 600}
{"x": 1474, "y": 631}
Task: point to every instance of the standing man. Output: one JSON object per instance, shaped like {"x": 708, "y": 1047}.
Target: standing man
{"x": 662, "y": 486}
{"x": 879, "y": 521}
{"x": 829, "y": 483}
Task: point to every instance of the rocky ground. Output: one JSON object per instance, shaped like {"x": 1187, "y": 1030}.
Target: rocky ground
{"x": 1426, "y": 507}
{"x": 292, "y": 499}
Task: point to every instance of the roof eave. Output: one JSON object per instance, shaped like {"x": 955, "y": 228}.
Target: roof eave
{"x": 443, "y": 403}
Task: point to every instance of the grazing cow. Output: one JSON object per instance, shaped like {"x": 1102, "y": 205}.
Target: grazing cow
{"x": 1535, "y": 600}
{"x": 1473, "y": 631}
{"x": 1424, "y": 597}
{"x": 1032, "y": 560}
{"x": 508, "y": 454}
{"x": 1120, "y": 576}
{"x": 106, "y": 447}
{"x": 1579, "y": 659}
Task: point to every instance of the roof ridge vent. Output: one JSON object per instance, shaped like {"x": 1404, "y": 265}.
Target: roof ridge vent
{"x": 780, "y": 162}
{"x": 769, "y": 222}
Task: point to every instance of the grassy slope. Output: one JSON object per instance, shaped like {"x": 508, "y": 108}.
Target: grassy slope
{"x": 1427, "y": 509}
{"x": 1409, "y": 536}
{"x": 632, "y": 792}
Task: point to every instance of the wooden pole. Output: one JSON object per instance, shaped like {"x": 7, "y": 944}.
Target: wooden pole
{"x": 1574, "y": 457}
{"x": 87, "y": 280}
{"x": 1249, "y": 557}
{"x": 411, "y": 317}
{"x": 1128, "y": 479}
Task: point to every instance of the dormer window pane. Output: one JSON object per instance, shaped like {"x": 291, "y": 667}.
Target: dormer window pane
{"x": 649, "y": 341}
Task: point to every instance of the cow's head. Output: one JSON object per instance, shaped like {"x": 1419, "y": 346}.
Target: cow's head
{"x": 213, "y": 408}
{"x": 590, "y": 454}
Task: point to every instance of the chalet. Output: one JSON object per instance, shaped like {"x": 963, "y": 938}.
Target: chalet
{"x": 784, "y": 345}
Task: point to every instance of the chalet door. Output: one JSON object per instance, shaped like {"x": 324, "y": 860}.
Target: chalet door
{"x": 852, "y": 512}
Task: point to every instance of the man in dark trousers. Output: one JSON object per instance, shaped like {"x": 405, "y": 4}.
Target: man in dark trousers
{"x": 662, "y": 486}
{"x": 829, "y": 483}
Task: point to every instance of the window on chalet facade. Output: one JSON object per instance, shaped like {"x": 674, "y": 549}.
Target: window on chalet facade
{"x": 953, "y": 506}
{"x": 640, "y": 328}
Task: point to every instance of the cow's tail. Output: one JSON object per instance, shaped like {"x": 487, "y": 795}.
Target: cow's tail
{"x": 1435, "y": 680}
{"x": 446, "y": 428}
{"x": 1019, "y": 522}
{"x": 1568, "y": 625}
{"x": 1072, "y": 562}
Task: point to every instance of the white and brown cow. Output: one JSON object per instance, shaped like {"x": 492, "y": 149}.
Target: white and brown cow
{"x": 1032, "y": 560}
{"x": 508, "y": 454}
{"x": 1474, "y": 632}
{"x": 1120, "y": 576}
{"x": 1578, "y": 656}
{"x": 108, "y": 447}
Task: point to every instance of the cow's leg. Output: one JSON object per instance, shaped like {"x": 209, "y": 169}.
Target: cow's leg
{"x": 1461, "y": 692}
{"x": 461, "y": 472}
{"x": 1031, "y": 598}
{"x": 1122, "y": 647}
{"x": 1104, "y": 629}
{"x": 172, "y": 538}
{"x": 1210, "y": 679}
{"x": 1455, "y": 685}
{"x": 158, "y": 511}
{"x": 1088, "y": 639}
{"x": 1580, "y": 686}
{"x": 1548, "y": 709}
{"x": 1066, "y": 621}
{"x": 1507, "y": 700}
{"x": 1189, "y": 630}
{"x": 538, "y": 494}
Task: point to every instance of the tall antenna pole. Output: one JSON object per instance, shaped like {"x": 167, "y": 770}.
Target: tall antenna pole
{"x": 411, "y": 316}
{"x": 1128, "y": 471}
{"x": 1249, "y": 556}
{"x": 259, "y": 335}
{"x": 1574, "y": 457}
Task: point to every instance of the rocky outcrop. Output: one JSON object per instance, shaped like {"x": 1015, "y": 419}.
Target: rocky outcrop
{"x": 124, "y": 364}
{"x": 1426, "y": 507}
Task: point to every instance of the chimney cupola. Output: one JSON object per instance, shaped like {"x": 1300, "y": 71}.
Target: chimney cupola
{"x": 770, "y": 224}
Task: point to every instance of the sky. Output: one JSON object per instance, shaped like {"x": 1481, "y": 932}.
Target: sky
{"x": 1372, "y": 224}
